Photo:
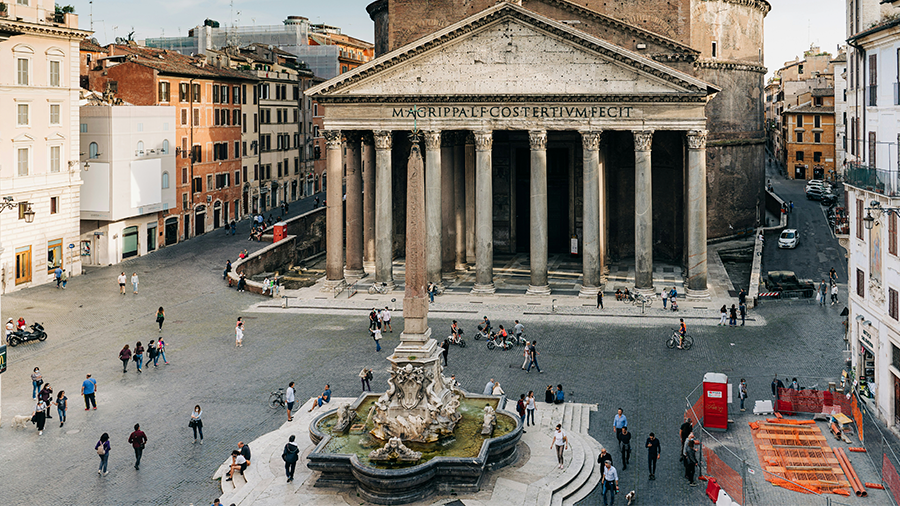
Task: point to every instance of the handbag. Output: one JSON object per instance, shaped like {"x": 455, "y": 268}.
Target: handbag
{"x": 192, "y": 423}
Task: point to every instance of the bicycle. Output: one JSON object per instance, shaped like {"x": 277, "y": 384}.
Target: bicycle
{"x": 643, "y": 300}
{"x": 276, "y": 399}
{"x": 376, "y": 288}
{"x": 674, "y": 340}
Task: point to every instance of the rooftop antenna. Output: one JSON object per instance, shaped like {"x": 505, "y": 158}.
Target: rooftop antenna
{"x": 92, "y": 14}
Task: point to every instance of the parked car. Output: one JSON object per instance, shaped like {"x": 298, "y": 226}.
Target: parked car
{"x": 789, "y": 238}
{"x": 786, "y": 281}
{"x": 829, "y": 198}
{"x": 815, "y": 193}
{"x": 815, "y": 183}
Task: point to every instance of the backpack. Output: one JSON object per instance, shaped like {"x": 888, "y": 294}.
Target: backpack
{"x": 290, "y": 454}
{"x": 369, "y": 375}
{"x": 101, "y": 450}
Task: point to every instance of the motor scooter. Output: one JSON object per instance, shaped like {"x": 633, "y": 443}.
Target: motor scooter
{"x": 495, "y": 341}
{"x": 459, "y": 341}
{"x": 36, "y": 333}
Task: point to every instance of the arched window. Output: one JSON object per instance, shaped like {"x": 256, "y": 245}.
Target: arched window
{"x": 165, "y": 148}
{"x": 165, "y": 180}
{"x": 140, "y": 148}
{"x": 93, "y": 151}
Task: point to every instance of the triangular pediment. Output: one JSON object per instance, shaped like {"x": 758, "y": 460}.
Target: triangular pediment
{"x": 507, "y": 50}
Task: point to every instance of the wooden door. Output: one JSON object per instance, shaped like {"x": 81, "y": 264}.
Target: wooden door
{"x": 23, "y": 265}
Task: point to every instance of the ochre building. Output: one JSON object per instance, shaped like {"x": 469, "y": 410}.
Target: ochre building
{"x": 635, "y": 127}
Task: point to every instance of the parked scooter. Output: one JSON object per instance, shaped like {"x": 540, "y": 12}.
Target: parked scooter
{"x": 23, "y": 336}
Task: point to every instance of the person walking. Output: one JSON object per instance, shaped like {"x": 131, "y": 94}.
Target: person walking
{"x": 526, "y": 354}
{"x": 226, "y": 270}
{"x": 373, "y": 319}
{"x": 532, "y": 356}
{"x": 161, "y": 350}
{"x": 65, "y": 278}
{"x": 791, "y": 206}
{"x": 57, "y": 274}
{"x": 652, "y": 445}
{"x": 743, "y": 310}
{"x": 823, "y": 290}
{"x": 239, "y": 333}
{"x": 138, "y": 441}
{"x": 365, "y": 376}
{"x": 690, "y": 463}
{"x": 625, "y": 447}
{"x": 386, "y": 319}
{"x": 742, "y": 392}
{"x": 733, "y": 316}
{"x": 723, "y": 315}
{"x": 139, "y": 356}
{"x": 62, "y": 404}
{"x": 89, "y": 390}
{"x": 834, "y": 294}
{"x": 664, "y": 295}
{"x": 39, "y": 416}
{"x": 686, "y": 428}
{"x": 600, "y": 299}
{"x": 529, "y": 408}
{"x": 160, "y": 317}
{"x": 620, "y": 421}
{"x": 121, "y": 280}
{"x": 125, "y": 356}
{"x": 36, "y": 381}
{"x": 376, "y": 336}
{"x": 134, "y": 282}
{"x": 289, "y": 398}
{"x": 102, "y": 448}
{"x": 520, "y": 409}
{"x": 832, "y": 276}
{"x": 445, "y": 345}
{"x": 152, "y": 354}
{"x": 560, "y": 442}
{"x": 290, "y": 455}
{"x": 610, "y": 484}
{"x": 196, "y": 423}
{"x": 46, "y": 395}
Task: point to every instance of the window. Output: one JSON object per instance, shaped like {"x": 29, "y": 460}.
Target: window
{"x": 800, "y": 69}
{"x": 216, "y": 114}
{"x": 198, "y": 185}
{"x": 799, "y": 136}
{"x": 873, "y": 80}
{"x": 22, "y": 2}
{"x": 245, "y": 174}
{"x": 859, "y": 219}
{"x": 714, "y": 49}
{"x": 237, "y": 177}
{"x": 22, "y": 161}
{"x": 817, "y": 156}
{"x": 215, "y": 94}
{"x": 184, "y": 201}
{"x": 163, "y": 91}
{"x": 799, "y": 156}
{"x": 165, "y": 180}
{"x": 184, "y": 114}
{"x": 244, "y": 123}
{"x": 22, "y": 71}
{"x": 236, "y": 95}
{"x": 892, "y": 234}
{"x": 235, "y": 116}
{"x": 165, "y": 147}
{"x": 799, "y": 121}
{"x": 860, "y": 283}
{"x": 183, "y": 92}
{"x": 872, "y": 146}
{"x": 197, "y": 153}
{"x": 817, "y": 137}
{"x": 184, "y": 175}
{"x": 112, "y": 86}
{"x": 54, "y": 114}
{"x": 54, "y": 158}
{"x": 195, "y": 93}
{"x": 93, "y": 151}
{"x": 237, "y": 149}
{"x": 54, "y": 73}
{"x": 892, "y": 304}
{"x": 818, "y": 103}
{"x": 243, "y": 94}
{"x": 316, "y": 109}
{"x": 255, "y": 172}
{"x": 54, "y": 205}
{"x": 209, "y": 182}
{"x": 22, "y": 114}
{"x": 54, "y": 254}
{"x": 140, "y": 148}
{"x": 83, "y": 128}
{"x": 344, "y": 68}
{"x": 196, "y": 117}
{"x": 817, "y": 121}
{"x": 244, "y": 148}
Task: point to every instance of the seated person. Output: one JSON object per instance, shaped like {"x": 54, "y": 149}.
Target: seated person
{"x": 618, "y": 294}
{"x": 238, "y": 463}
{"x": 502, "y": 334}
{"x": 486, "y": 325}
{"x": 21, "y": 325}
{"x": 626, "y": 295}
{"x": 322, "y": 399}
{"x": 455, "y": 331}
{"x": 560, "y": 396}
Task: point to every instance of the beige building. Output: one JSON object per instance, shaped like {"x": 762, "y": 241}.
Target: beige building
{"x": 39, "y": 83}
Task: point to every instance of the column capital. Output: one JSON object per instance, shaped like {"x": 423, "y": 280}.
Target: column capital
{"x": 696, "y": 139}
{"x": 643, "y": 139}
{"x": 484, "y": 139}
{"x": 432, "y": 139}
{"x": 333, "y": 139}
{"x": 537, "y": 139}
{"x": 383, "y": 139}
{"x": 591, "y": 140}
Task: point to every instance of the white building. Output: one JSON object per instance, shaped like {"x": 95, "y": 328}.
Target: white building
{"x": 39, "y": 85}
{"x": 840, "y": 111}
{"x": 128, "y": 155}
{"x": 873, "y": 196}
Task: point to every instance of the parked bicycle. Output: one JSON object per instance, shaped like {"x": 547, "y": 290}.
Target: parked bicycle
{"x": 376, "y": 288}
{"x": 675, "y": 339}
{"x": 643, "y": 300}
{"x": 276, "y": 399}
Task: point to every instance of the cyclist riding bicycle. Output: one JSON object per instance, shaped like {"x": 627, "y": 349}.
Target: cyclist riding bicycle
{"x": 682, "y": 330}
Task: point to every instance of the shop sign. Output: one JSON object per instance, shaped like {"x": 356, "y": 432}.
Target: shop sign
{"x": 866, "y": 339}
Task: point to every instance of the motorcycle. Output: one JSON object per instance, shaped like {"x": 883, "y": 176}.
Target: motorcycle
{"x": 23, "y": 336}
{"x": 495, "y": 341}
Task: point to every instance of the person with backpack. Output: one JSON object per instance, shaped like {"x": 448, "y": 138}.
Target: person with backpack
{"x": 365, "y": 376}
{"x": 290, "y": 455}
{"x": 520, "y": 409}
{"x": 102, "y": 448}
{"x": 125, "y": 356}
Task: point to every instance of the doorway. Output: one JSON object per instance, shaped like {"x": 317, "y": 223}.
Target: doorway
{"x": 217, "y": 214}
{"x": 171, "y": 231}
{"x": 129, "y": 242}
{"x": 799, "y": 172}
{"x": 557, "y": 200}
{"x": 151, "y": 237}
{"x": 23, "y": 265}
{"x": 200, "y": 221}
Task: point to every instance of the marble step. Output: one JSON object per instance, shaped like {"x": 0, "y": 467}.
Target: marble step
{"x": 588, "y": 468}
{"x": 593, "y": 480}
{"x": 559, "y": 479}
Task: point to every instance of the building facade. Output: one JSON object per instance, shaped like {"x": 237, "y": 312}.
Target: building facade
{"x": 514, "y": 103}
{"x": 810, "y": 140}
{"x": 39, "y": 143}
{"x": 129, "y": 175}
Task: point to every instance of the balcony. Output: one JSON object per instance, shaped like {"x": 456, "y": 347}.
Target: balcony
{"x": 873, "y": 179}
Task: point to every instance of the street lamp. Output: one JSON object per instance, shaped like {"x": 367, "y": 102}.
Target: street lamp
{"x": 869, "y": 220}
{"x": 8, "y": 203}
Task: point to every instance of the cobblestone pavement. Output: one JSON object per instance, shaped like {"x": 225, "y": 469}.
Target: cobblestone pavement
{"x": 614, "y": 362}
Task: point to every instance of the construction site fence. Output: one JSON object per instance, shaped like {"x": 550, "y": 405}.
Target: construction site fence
{"x": 813, "y": 402}
{"x": 724, "y": 465}
{"x": 882, "y": 447}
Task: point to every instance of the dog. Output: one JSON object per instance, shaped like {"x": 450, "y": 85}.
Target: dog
{"x": 631, "y": 497}
{"x": 21, "y": 421}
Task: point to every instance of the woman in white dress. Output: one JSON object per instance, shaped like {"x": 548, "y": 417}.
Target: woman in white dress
{"x": 239, "y": 333}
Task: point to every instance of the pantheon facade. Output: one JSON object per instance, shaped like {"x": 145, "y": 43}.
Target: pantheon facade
{"x": 544, "y": 122}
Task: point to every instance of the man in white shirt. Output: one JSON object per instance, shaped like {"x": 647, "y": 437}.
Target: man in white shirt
{"x": 386, "y": 319}
{"x": 121, "y": 279}
{"x": 610, "y": 483}
{"x": 289, "y": 399}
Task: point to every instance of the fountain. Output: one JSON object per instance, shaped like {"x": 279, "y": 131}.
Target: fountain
{"x": 423, "y": 434}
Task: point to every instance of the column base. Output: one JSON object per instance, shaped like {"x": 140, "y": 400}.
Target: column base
{"x": 369, "y": 267}
{"x": 540, "y": 290}
{"x": 645, "y": 291}
{"x": 354, "y": 273}
{"x": 448, "y": 276}
{"x": 589, "y": 291}
{"x": 461, "y": 269}
{"x": 331, "y": 284}
{"x": 487, "y": 289}
{"x": 389, "y": 284}
{"x": 697, "y": 294}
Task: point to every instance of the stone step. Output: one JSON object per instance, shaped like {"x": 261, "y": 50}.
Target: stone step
{"x": 593, "y": 480}
{"x": 584, "y": 474}
{"x": 586, "y": 417}
{"x": 559, "y": 480}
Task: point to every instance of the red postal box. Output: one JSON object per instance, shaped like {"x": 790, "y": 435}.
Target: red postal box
{"x": 715, "y": 401}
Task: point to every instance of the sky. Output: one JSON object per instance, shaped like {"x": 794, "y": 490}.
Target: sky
{"x": 791, "y": 26}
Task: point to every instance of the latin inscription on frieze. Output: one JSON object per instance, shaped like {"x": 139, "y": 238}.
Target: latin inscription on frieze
{"x": 513, "y": 111}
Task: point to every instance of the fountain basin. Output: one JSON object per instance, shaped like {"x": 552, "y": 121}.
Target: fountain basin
{"x": 447, "y": 465}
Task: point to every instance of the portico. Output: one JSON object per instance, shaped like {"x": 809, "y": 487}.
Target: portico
{"x": 524, "y": 153}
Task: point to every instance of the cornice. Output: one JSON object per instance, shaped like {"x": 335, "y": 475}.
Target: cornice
{"x": 510, "y": 99}
{"x": 760, "y": 5}
{"x": 22, "y": 28}
{"x": 727, "y": 65}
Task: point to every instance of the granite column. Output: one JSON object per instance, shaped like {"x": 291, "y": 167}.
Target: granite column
{"x": 643, "y": 212}
{"x": 484, "y": 214}
{"x": 384, "y": 216}
{"x": 538, "y": 209}
{"x": 696, "y": 286}
{"x": 368, "y": 203}
{"x": 459, "y": 202}
{"x": 432, "y": 213}
{"x": 354, "y": 264}
{"x": 590, "y": 216}
{"x": 334, "y": 214}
